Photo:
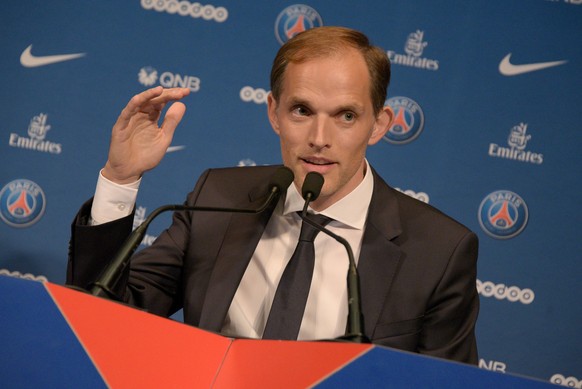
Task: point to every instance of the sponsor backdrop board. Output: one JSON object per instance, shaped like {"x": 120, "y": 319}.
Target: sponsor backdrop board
{"x": 487, "y": 100}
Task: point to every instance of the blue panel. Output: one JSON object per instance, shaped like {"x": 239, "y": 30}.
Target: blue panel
{"x": 381, "y": 368}
{"x": 38, "y": 348}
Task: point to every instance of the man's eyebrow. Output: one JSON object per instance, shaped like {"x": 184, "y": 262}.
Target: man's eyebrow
{"x": 295, "y": 100}
{"x": 355, "y": 106}
{"x": 351, "y": 107}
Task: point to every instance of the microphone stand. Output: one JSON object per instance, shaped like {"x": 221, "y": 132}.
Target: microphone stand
{"x": 310, "y": 191}
{"x": 102, "y": 287}
{"x": 355, "y": 332}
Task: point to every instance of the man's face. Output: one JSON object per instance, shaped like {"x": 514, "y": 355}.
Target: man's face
{"x": 325, "y": 121}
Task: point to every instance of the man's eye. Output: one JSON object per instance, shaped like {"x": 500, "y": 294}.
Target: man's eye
{"x": 302, "y": 111}
{"x": 348, "y": 116}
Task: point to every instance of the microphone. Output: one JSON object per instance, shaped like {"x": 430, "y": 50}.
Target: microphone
{"x": 310, "y": 190}
{"x": 278, "y": 183}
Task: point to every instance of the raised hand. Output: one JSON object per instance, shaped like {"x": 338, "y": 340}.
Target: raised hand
{"x": 138, "y": 144}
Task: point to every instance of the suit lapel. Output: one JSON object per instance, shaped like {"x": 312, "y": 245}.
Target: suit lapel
{"x": 377, "y": 265}
{"x": 240, "y": 241}
{"x": 379, "y": 255}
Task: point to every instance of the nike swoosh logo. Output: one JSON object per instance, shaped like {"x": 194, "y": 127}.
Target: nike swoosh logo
{"x": 508, "y": 69}
{"x": 28, "y": 60}
{"x": 175, "y": 148}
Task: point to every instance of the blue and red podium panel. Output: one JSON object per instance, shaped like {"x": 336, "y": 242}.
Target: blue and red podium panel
{"x": 52, "y": 336}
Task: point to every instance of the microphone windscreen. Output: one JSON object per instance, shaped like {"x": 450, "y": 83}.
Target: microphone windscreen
{"x": 312, "y": 184}
{"x": 282, "y": 178}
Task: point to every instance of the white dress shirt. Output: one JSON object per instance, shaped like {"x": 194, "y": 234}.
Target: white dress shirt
{"x": 326, "y": 310}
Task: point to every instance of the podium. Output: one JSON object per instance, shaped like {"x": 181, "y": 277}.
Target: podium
{"x": 52, "y": 336}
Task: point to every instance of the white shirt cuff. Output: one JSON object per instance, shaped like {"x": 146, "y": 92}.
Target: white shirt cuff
{"x": 112, "y": 201}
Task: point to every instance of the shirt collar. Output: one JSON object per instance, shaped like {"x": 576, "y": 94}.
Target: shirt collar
{"x": 351, "y": 210}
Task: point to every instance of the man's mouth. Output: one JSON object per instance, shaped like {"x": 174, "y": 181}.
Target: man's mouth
{"x": 317, "y": 161}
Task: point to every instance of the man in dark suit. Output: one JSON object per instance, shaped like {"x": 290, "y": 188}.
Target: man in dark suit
{"x": 328, "y": 86}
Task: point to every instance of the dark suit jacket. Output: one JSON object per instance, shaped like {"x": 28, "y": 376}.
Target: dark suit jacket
{"x": 417, "y": 266}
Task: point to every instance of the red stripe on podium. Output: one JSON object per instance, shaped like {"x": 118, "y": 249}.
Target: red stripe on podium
{"x": 284, "y": 364}
{"x": 134, "y": 349}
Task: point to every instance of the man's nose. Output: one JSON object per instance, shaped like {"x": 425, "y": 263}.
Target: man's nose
{"x": 320, "y": 133}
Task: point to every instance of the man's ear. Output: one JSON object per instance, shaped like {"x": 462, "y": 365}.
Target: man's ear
{"x": 382, "y": 124}
{"x": 272, "y": 112}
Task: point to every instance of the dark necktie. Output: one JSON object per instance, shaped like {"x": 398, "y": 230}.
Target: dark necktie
{"x": 289, "y": 303}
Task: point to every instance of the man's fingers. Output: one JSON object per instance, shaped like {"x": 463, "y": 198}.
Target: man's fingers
{"x": 155, "y": 99}
{"x": 138, "y": 101}
{"x": 135, "y": 105}
{"x": 167, "y": 95}
{"x": 173, "y": 117}
{"x": 151, "y": 102}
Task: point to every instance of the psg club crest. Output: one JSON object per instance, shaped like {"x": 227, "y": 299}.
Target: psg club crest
{"x": 408, "y": 120}
{"x": 503, "y": 214}
{"x": 295, "y": 19}
{"x": 22, "y": 203}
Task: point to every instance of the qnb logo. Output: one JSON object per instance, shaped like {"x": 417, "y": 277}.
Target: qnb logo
{"x": 138, "y": 219}
{"x": 517, "y": 142}
{"x": 148, "y": 76}
{"x": 185, "y": 8}
{"x": 295, "y": 19}
{"x": 503, "y": 214}
{"x": 414, "y": 48}
{"x": 408, "y": 120}
{"x": 419, "y": 196}
{"x": 492, "y": 365}
{"x": 249, "y": 94}
{"x": 22, "y": 203}
{"x": 570, "y": 382}
{"x": 25, "y": 276}
{"x": 37, "y": 130}
{"x": 504, "y": 292}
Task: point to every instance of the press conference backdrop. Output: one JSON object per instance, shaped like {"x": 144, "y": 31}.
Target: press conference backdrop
{"x": 487, "y": 101}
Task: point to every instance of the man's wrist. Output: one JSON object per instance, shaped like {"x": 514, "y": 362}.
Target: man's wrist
{"x": 107, "y": 173}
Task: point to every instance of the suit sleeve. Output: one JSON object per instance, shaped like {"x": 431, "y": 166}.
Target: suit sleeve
{"x": 153, "y": 280}
{"x": 449, "y": 323}
{"x": 92, "y": 247}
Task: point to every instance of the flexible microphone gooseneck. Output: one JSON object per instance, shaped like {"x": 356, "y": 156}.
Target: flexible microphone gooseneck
{"x": 310, "y": 190}
{"x": 278, "y": 183}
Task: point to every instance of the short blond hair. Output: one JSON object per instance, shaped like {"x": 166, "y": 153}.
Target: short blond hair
{"x": 322, "y": 42}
